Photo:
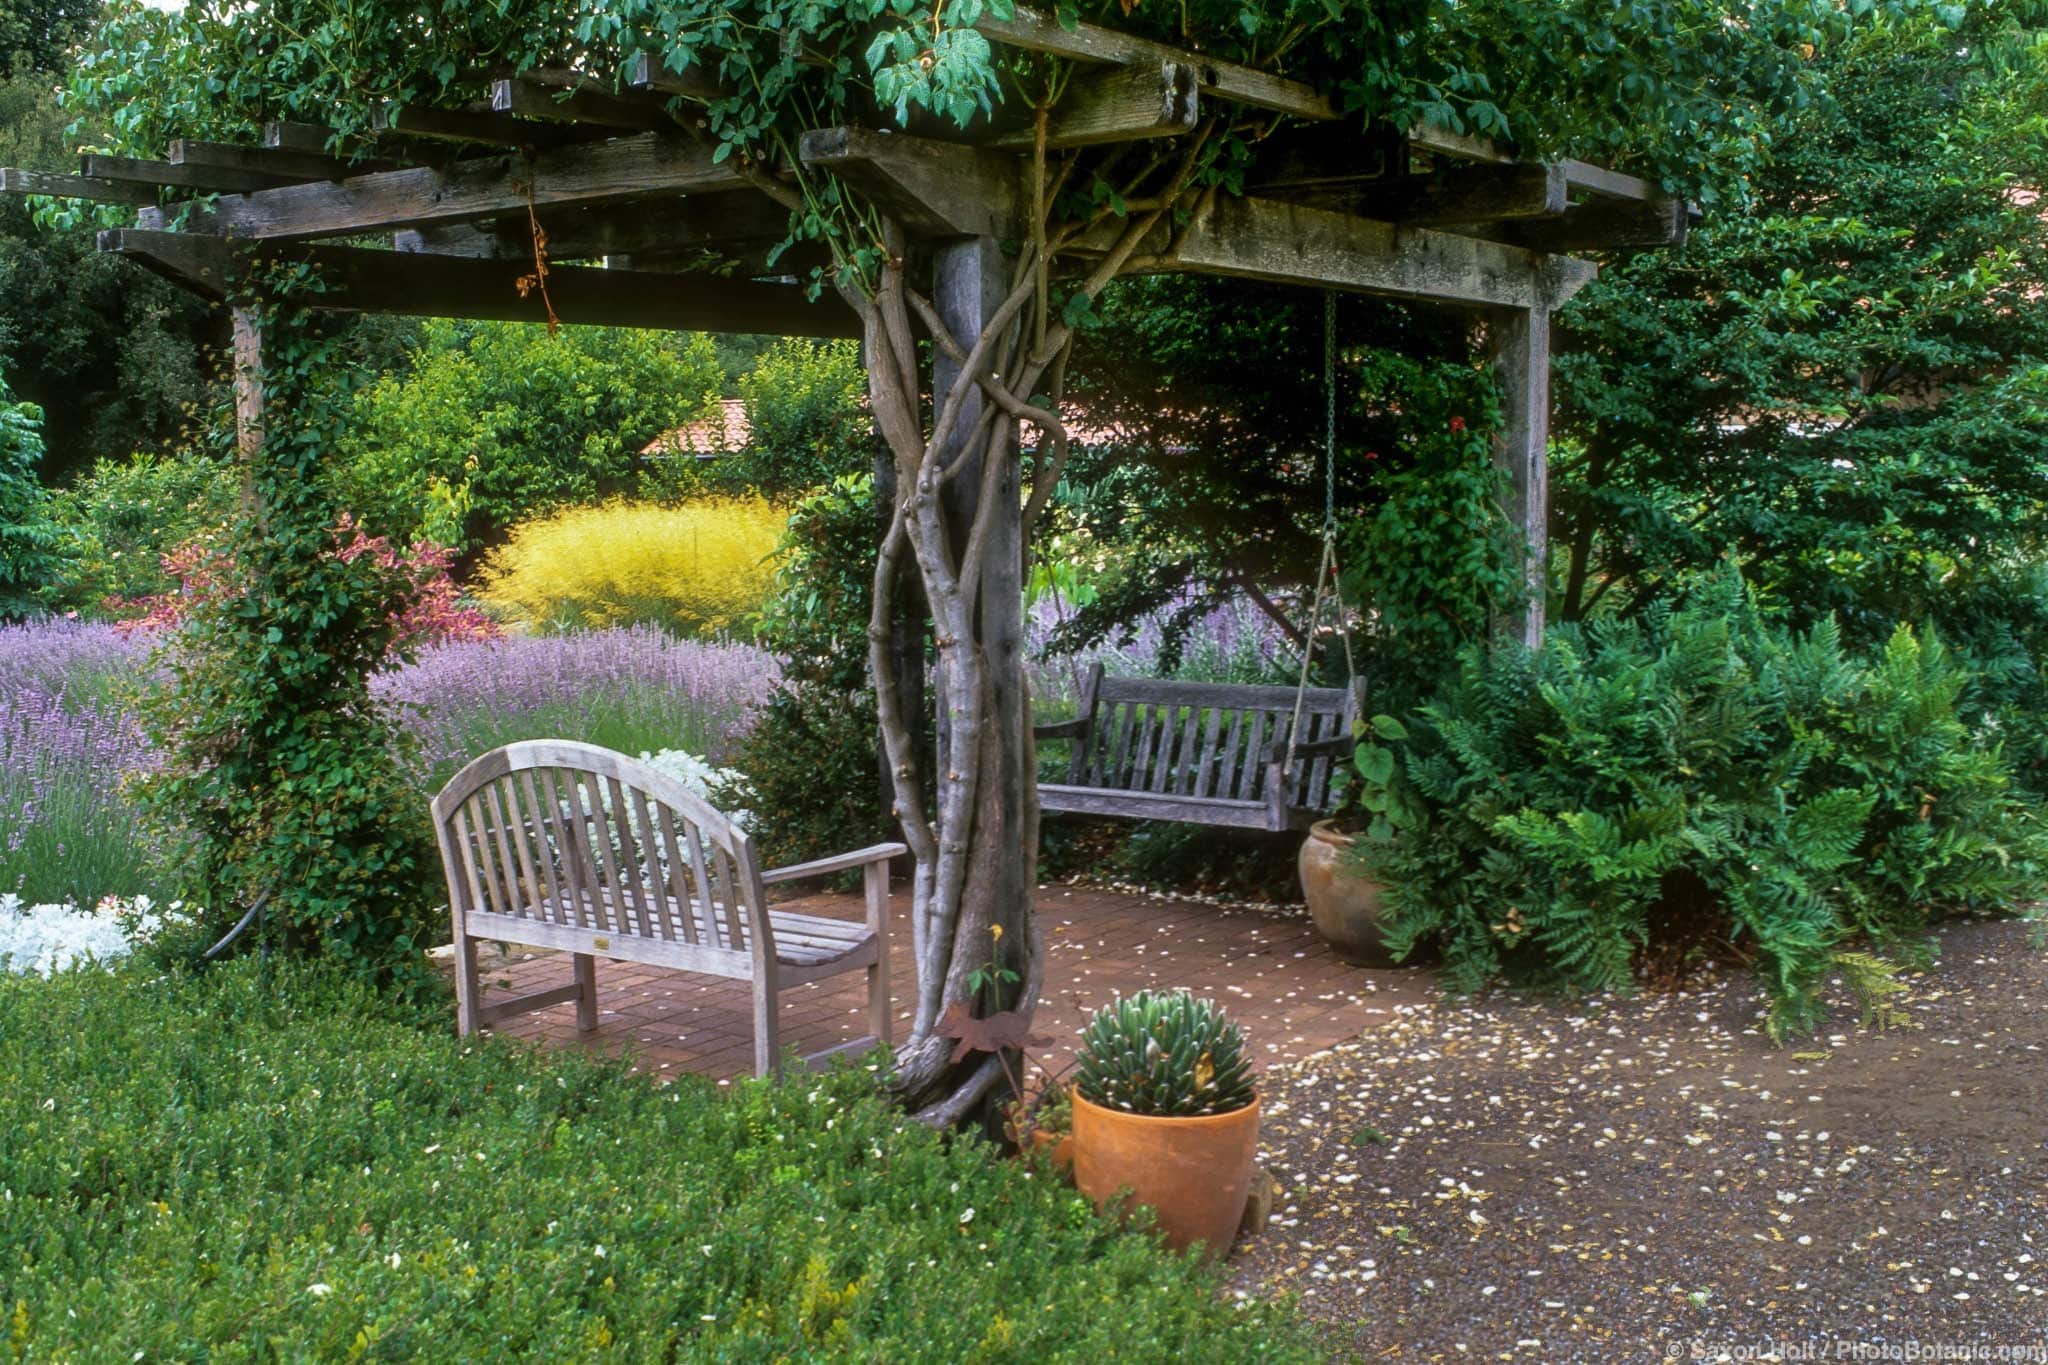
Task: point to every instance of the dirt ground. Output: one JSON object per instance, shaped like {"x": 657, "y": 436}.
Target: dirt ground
{"x": 1650, "y": 1178}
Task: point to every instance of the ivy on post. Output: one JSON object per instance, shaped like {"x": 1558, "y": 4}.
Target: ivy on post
{"x": 280, "y": 768}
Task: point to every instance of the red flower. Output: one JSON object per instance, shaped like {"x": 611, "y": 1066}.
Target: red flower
{"x": 1457, "y": 424}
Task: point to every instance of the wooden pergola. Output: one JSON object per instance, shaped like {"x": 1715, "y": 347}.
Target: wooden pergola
{"x": 617, "y": 172}
{"x": 442, "y": 212}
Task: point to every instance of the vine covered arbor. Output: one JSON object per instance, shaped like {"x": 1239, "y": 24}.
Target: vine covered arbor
{"x": 612, "y": 189}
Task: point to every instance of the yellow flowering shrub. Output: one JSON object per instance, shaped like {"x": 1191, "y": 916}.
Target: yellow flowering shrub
{"x": 697, "y": 568}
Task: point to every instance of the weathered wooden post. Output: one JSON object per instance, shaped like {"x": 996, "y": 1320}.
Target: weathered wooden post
{"x": 1519, "y": 339}
{"x": 248, "y": 380}
{"x": 969, "y": 280}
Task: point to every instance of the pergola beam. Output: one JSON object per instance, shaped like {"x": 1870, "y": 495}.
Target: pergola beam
{"x": 1282, "y": 243}
{"x": 1124, "y": 104}
{"x": 360, "y": 280}
{"x": 391, "y": 121}
{"x": 574, "y": 100}
{"x": 1467, "y": 194}
{"x": 276, "y": 162}
{"x": 1607, "y": 225}
{"x": 936, "y": 189}
{"x": 600, "y": 172}
{"x": 645, "y": 71}
{"x": 16, "y": 181}
{"x": 697, "y": 221}
{"x": 286, "y": 136}
{"x": 195, "y": 179}
{"x": 1037, "y": 32}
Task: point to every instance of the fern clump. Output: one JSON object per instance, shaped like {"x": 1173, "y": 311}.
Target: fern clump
{"x": 1832, "y": 806}
{"x": 1164, "y": 1053}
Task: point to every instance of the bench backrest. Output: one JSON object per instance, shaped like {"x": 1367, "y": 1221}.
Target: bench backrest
{"x": 585, "y": 838}
{"x": 1203, "y": 739}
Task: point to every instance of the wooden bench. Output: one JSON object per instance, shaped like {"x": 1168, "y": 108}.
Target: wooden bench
{"x": 554, "y": 844}
{"x": 1200, "y": 753}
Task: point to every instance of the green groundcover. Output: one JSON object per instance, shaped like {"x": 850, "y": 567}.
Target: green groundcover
{"x": 268, "y": 1163}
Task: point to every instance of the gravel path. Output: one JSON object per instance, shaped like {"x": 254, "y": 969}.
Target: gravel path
{"x": 1650, "y": 1178}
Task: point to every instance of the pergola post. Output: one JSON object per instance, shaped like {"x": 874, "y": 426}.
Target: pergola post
{"x": 1519, "y": 340}
{"x": 248, "y": 383}
{"x": 248, "y": 351}
{"x": 969, "y": 280}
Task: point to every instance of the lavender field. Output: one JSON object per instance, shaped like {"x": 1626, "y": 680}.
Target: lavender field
{"x": 72, "y": 743}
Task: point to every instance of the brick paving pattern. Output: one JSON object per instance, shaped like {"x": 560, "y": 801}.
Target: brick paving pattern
{"x": 1277, "y": 978}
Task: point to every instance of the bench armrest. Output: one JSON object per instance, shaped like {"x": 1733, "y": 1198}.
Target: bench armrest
{"x": 1065, "y": 729}
{"x": 838, "y": 862}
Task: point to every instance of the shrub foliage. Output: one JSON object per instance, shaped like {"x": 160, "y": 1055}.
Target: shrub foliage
{"x": 230, "y": 1168}
{"x": 32, "y": 544}
{"x": 696, "y": 568}
{"x": 128, "y": 515}
{"x": 808, "y": 767}
{"x": 497, "y": 423}
{"x": 1819, "y": 796}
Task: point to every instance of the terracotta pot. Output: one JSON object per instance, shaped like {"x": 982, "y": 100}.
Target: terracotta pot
{"x": 1059, "y": 1146}
{"x": 1195, "y": 1172}
{"x": 1344, "y": 905}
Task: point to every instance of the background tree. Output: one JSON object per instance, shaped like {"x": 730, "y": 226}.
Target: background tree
{"x": 118, "y": 361}
{"x": 38, "y": 35}
{"x": 1841, "y": 387}
{"x": 493, "y": 423}
{"x": 32, "y": 544}
{"x": 1839, "y": 384}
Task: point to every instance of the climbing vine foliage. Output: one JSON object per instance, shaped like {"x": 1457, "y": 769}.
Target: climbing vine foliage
{"x": 1670, "y": 85}
{"x": 282, "y": 777}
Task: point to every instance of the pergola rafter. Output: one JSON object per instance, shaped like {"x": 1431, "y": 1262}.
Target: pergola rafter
{"x": 443, "y": 212}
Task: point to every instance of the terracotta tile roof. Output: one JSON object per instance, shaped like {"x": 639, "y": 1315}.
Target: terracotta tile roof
{"x": 720, "y": 433}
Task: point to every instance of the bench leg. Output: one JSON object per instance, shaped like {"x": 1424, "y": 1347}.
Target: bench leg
{"x": 879, "y": 1013}
{"x": 468, "y": 990}
{"x": 586, "y": 992}
{"x": 767, "y": 1036}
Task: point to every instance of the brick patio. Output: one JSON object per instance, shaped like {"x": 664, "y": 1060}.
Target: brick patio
{"x": 1268, "y": 967}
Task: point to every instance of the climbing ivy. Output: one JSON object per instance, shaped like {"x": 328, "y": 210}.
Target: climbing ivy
{"x": 281, "y": 773}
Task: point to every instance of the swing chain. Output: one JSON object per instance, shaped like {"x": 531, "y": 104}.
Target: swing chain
{"x": 1328, "y": 581}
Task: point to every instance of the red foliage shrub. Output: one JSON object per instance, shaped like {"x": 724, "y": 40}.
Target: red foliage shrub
{"x": 430, "y": 610}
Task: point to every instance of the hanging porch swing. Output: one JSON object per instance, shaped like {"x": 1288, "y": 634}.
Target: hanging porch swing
{"x": 1220, "y": 754}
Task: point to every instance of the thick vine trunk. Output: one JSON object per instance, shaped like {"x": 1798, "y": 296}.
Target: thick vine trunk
{"x": 960, "y": 520}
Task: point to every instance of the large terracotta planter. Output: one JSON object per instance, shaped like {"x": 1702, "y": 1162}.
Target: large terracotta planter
{"x": 1344, "y": 905}
{"x": 1195, "y": 1172}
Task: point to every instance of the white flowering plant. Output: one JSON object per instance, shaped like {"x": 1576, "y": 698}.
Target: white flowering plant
{"x": 699, "y": 776}
{"x": 56, "y": 937}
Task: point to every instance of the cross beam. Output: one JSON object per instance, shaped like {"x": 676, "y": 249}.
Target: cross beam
{"x": 356, "y": 279}
{"x": 1264, "y": 239}
{"x": 594, "y": 173}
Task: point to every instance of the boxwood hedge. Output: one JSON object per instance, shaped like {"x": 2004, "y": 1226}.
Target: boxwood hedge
{"x": 277, "y": 1164}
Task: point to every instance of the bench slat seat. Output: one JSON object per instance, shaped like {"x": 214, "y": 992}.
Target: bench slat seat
{"x": 554, "y": 844}
{"x": 1212, "y": 754}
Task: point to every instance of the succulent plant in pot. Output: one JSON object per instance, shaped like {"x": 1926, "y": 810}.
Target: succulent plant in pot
{"x": 1164, "y": 1108}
